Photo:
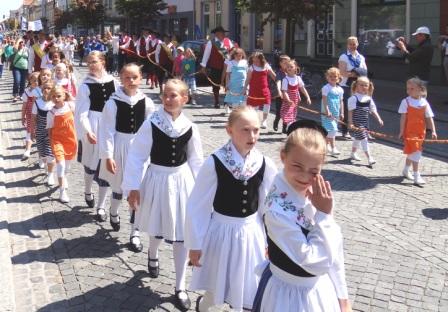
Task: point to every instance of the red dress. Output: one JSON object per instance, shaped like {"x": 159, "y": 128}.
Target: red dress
{"x": 28, "y": 112}
{"x": 288, "y": 112}
{"x": 259, "y": 93}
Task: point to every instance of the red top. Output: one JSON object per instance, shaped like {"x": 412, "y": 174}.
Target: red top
{"x": 259, "y": 88}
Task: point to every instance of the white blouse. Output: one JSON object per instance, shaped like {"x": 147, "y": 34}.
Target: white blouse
{"x": 68, "y": 106}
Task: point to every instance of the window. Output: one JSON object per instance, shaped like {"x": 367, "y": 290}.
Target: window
{"x": 218, "y": 15}
{"x": 380, "y": 23}
{"x": 206, "y": 18}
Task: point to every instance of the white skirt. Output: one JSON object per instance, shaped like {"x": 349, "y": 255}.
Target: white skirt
{"x": 91, "y": 152}
{"x": 163, "y": 201}
{"x": 284, "y": 292}
{"x": 233, "y": 247}
{"x": 122, "y": 142}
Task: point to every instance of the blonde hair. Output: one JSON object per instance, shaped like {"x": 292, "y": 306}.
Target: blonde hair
{"x": 43, "y": 70}
{"x": 260, "y": 56}
{"x": 49, "y": 83}
{"x": 293, "y": 62}
{"x": 353, "y": 39}
{"x": 237, "y": 51}
{"x": 306, "y": 138}
{"x": 34, "y": 75}
{"x": 419, "y": 84}
{"x": 238, "y": 112}
{"x": 333, "y": 71}
{"x": 98, "y": 55}
{"x": 63, "y": 67}
{"x": 363, "y": 79}
{"x": 177, "y": 84}
{"x": 60, "y": 88}
{"x": 193, "y": 56}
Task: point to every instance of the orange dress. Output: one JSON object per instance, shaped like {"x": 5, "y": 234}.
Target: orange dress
{"x": 414, "y": 129}
{"x": 63, "y": 136}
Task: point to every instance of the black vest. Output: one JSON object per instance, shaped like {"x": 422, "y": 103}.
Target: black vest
{"x": 99, "y": 94}
{"x": 41, "y": 112}
{"x": 282, "y": 261}
{"x": 167, "y": 151}
{"x": 236, "y": 198}
{"x": 129, "y": 118}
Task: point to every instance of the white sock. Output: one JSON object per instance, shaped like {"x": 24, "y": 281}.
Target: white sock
{"x": 406, "y": 168}
{"x": 88, "y": 181}
{"x": 134, "y": 229}
{"x": 153, "y": 251}
{"x": 102, "y": 192}
{"x": 206, "y": 302}
{"x": 60, "y": 169}
{"x": 180, "y": 264}
{"x": 114, "y": 205}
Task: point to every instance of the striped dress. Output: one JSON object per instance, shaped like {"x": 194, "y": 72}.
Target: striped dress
{"x": 361, "y": 119}
{"x": 40, "y": 109}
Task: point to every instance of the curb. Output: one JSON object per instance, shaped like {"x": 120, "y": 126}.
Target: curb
{"x": 7, "y": 302}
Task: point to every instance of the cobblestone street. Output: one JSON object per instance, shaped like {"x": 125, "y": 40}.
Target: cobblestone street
{"x": 395, "y": 234}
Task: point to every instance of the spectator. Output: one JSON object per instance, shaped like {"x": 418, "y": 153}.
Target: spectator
{"x": 419, "y": 57}
{"x": 9, "y": 51}
{"x": 19, "y": 65}
{"x": 81, "y": 50}
{"x": 443, "y": 44}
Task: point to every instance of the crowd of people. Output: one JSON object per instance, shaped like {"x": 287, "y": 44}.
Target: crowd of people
{"x": 258, "y": 238}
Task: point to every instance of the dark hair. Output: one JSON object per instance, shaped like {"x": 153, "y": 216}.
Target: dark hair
{"x": 260, "y": 56}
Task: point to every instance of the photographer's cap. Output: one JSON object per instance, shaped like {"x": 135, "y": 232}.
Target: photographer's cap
{"x": 422, "y": 30}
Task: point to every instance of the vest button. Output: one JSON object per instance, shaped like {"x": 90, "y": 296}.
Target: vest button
{"x": 174, "y": 154}
{"x": 245, "y": 183}
{"x": 244, "y": 201}
{"x": 132, "y": 119}
{"x": 132, "y": 126}
{"x": 173, "y": 146}
{"x": 245, "y": 192}
{"x": 132, "y": 112}
{"x": 173, "y": 161}
{"x": 243, "y": 210}
{"x": 174, "y": 140}
{"x": 104, "y": 90}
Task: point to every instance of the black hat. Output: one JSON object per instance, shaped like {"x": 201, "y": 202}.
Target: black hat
{"x": 219, "y": 29}
{"x": 306, "y": 123}
{"x": 146, "y": 29}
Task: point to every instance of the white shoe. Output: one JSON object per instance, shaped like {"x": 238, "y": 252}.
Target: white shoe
{"x": 371, "y": 161}
{"x": 407, "y": 174}
{"x": 41, "y": 164}
{"x": 335, "y": 152}
{"x": 418, "y": 179}
{"x": 264, "y": 124}
{"x": 50, "y": 179}
{"x": 354, "y": 156}
{"x": 27, "y": 154}
{"x": 329, "y": 150}
{"x": 63, "y": 196}
{"x": 227, "y": 111}
{"x": 65, "y": 183}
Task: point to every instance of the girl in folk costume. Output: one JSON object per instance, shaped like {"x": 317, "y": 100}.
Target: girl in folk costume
{"x": 40, "y": 111}
{"x": 169, "y": 149}
{"x": 306, "y": 270}
{"x": 279, "y": 75}
{"x": 130, "y": 49}
{"x": 188, "y": 73}
{"x": 63, "y": 78}
{"x": 223, "y": 227}
{"x": 235, "y": 79}
{"x": 257, "y": 80}
{"x": 29, "y": 96}
{"x": 332, "y": 107}
{"x": 360, "y": 106}
{"x": 61, "y": 125}
{"x": 292, "y": 85}
{"x": 152, "y": 45}
{"x": 93, "y": 94}
{"x": 122, "y": 117}
{"x": 416, "y": 113}
{"x": 45, "y": 76}
{"x": 164, "y": 59}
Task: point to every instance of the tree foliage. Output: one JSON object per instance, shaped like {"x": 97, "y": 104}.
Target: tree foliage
{"x": 88, "y": 13}
{"x": 141, "y": 11}
{"x": 62, "y": 18}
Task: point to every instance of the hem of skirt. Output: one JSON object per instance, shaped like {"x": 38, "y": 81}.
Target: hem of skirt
{"x": 217, "y": 303}
{"x": 169, "y": 241}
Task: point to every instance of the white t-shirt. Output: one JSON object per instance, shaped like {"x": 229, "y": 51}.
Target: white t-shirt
{"x": 34, "y": 93}
{"x": 257, "y": 68}
{"x": 351, "y": 103}
{"x": 43, "y": 105}
{"x": 344, "y": 58}
{"x": 329, "y": 88}
{"x": 68, "y": 106}
{"x": 416, "y": 103}
{"x": 293, "y": 81}
{"x": 232, "y": 63}
{"x": 445, "y": 46}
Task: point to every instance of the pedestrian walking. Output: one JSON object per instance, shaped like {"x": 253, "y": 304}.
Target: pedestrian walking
{"x": 61, "y": 125}
{"x": 236, "y": 74}
{"x": 31, "y": 93}
{"x": 360, "y": 105}
{"x": 416, "y": 113}
{"x": 40, "y": 111}
{"x": 257, "y": 80}
{"x": 19, "y": 65}
{"x": 189, "y": 74}
{"x": 160, "y": 172}
{"x": 332, "y": 107}
{"x": 279, "y": 75}
{"x": 306, "y": 270}
{"x": 223, "y": 227}
{"x": 93, "y": 93}
{"x": 123, "y": 114}
{"x": 292, "y": 86}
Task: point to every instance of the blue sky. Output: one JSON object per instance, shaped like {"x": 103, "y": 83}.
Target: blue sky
{"x": 6, "y": 5}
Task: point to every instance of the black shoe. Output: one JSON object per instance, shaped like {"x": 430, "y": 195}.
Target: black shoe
{"x": 217, "y": 105}
{"x": 115, "y": 225}
{"x": 275, "y": 125}
{"x": 284, "y": 128}
{"x": 90, "y": 202}
{"x": 198, "y": 301}
{"x": 182, "y": 304}
{"x": 153, "y": 271}
{"x": 101, "y": 217}
{"x": 135, "y": 247}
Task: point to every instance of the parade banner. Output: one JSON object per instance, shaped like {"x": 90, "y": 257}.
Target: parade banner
{"x": 35, "y": 25}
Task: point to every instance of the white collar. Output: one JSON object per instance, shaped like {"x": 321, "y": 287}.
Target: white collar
{"x": 120, "y": 95}
{"x": 172, "y": 128}
{"x": 105, "y": 77}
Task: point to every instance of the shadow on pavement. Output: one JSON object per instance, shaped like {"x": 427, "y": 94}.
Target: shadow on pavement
{"x": 131, "y": 295}
{"x": 435, "y": 213}
{"x": 30, "y": 199}
{"x": 351, "y": 182}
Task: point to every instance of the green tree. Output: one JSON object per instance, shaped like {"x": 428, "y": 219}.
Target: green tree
{"x": 293, "y": 11}
{"x": 62, "y": 18}
{"x": 141, "y": 11}
{"x": 88, "y": 13}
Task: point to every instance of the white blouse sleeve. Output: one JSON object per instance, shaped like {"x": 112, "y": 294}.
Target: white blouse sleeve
{"x": 403, "y": 108}
{"x": 139, "y": 156}
{"x": 270, "y": 172}
{"x": 372, "y": 105}
{"x": 34, "y": 108}
{"x": 82, "y": 110}
{"x": 315, "y": 253}
{"x": 50, "y": 120}
{"x": 206, "y": 55}
{"x": 195, "y": 154}
{"x": 285, "y": 84}
{"x": 200, "y": 206}
{"x": 351, "y": 103}
{"x": 157, "y": 53}
{"x": 107, "y": 133}
{"x": 337, "y": 274}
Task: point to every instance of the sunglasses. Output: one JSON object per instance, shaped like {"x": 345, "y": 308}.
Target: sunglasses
{"x": 306, "y": 123}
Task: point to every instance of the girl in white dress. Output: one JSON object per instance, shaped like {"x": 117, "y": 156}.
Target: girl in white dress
{"x": 93, "y": 94}
{"x": 305, "y": 272}
{"x": 123, "y": 114}
{"x": 223, "y": 227}
{"x": 160, "y": 172}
